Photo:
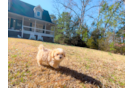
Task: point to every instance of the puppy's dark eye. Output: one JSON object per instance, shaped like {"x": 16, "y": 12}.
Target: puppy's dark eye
{"x": 57, "y": 54}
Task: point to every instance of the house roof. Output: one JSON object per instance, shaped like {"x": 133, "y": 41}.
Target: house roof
{"x": 25, "y": 9}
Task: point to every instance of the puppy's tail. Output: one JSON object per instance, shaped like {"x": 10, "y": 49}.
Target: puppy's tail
{"x": 41, "y": 47}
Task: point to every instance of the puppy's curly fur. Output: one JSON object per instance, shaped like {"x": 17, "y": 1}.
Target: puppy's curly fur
{"x": 50, "y": 57}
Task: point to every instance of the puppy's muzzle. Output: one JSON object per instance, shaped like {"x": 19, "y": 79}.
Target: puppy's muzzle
{"x": 60, "y": 57}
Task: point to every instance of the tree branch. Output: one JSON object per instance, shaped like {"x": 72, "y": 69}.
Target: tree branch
{"x": 69, "y": 8}
{"x": 93, "y": 7}
{"x": 56, "y": 7}
{"x": 76, "y": 6}
{"x": 111, "y": 16}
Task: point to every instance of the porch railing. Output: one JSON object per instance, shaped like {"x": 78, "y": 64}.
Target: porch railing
{"x": 37, "y": 30}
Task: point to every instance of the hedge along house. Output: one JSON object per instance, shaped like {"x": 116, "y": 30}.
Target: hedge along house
{"x": 29, "y": 22}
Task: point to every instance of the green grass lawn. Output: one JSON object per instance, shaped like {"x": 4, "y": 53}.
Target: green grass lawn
{"x": 82, "y": 67}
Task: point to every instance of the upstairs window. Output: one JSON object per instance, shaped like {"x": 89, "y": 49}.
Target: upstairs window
{"x": 38, "y": 14}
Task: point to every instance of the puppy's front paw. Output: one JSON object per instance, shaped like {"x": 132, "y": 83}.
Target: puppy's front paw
{"x": 51, "y": 63}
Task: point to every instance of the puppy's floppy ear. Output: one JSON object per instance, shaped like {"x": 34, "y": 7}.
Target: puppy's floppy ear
{"x": 41, "y": 47}
{"x": 52, "y": 54}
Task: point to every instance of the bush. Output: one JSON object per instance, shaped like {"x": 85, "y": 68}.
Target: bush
{"x": 76, "y": 41}
{"x": 101, "y": 44}
{"x": 90, "y": 43}
{"x": 120, "y": 48}
{"x": 112, "y": 49}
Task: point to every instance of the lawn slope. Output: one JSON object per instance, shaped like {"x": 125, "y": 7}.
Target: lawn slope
{"x": 82, "y": 67}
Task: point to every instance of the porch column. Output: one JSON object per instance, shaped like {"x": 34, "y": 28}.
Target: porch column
{"x": 22, "y": 27}
{"x": 35, "y": 27}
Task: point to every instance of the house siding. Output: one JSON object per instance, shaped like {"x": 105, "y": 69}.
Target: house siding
{"x": 13, "y": 34}
{"x": 26, "y": 36}
{"x": 47, "y": 39}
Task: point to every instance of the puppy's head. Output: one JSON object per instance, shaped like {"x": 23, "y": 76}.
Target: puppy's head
{"x": 58, "y": 54}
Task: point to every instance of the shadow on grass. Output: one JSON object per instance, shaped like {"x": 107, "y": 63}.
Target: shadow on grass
{"x": 79, "y": 76}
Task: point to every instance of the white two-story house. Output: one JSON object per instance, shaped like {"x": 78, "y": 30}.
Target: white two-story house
{"x": 29, "y": 22}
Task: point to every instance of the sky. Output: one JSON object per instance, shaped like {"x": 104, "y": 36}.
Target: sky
{"x": 48, "y": 5}
{"x": 45, "y": 4}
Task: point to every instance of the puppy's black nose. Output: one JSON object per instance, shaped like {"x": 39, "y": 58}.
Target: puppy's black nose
{"x": 60, "y": 57}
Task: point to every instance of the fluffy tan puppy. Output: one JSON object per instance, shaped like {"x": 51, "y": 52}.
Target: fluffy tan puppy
{"x": 50, "y": 57}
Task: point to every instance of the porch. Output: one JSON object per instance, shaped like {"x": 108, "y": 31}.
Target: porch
{"x": 29, "y": 28}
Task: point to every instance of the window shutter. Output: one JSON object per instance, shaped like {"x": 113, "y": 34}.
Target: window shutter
{"x": 43, "y": 28}
{"x": 11, "y": 24}
{"x": 20, "y": 26}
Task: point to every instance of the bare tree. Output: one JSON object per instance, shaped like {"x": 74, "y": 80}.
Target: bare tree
{"x": 79, "y": 9}
{"x": 57, "y": 8}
